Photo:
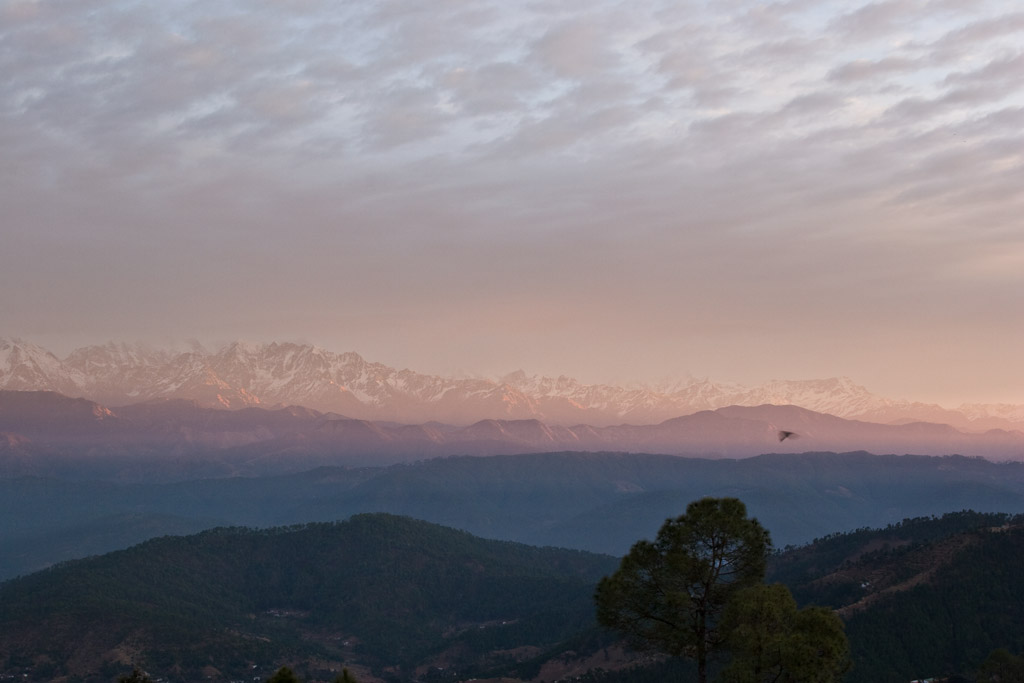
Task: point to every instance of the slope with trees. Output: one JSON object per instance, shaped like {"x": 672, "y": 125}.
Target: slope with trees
{"x": 925, "y": 597}
{"x": 378, "y": 589}
{"x": 696, "y": 591}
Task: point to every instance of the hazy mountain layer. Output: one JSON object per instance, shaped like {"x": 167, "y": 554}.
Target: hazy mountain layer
{"x": 47, "y": 434}
{"x": 601, "y": 502}
{"x": 241, "y": 375}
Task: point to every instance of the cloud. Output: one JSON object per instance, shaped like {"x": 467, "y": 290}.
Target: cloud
{"x": 673, "y": 168}
{"x": 575, "y": 50}
{"x": 877, "y": 19}
{"x": 1002, "y": 71}
{"x": 979, "y": 32}
{"x": 863, "y": 69}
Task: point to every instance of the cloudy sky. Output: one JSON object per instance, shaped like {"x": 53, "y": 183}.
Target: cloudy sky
{"x": 614, "y": 190}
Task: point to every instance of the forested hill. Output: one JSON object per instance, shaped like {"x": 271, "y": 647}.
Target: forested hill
{"x": 927, "y": 597}
{"x": 378, "y": 590}
{"x": 397, "y": 599}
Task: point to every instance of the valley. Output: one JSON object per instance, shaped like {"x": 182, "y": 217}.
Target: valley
{"x": 233, "y": 537}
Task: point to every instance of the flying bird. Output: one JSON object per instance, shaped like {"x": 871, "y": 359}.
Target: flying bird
{"x": 783, "y": 435}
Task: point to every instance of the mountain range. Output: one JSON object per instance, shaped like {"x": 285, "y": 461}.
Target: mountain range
{"x": 49, "y": 434}
{"x": 601, "y": 502}
{"x": 242, "y": 375}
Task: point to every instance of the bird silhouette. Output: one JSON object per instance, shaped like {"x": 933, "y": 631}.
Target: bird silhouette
{"x": 783, "y": 435}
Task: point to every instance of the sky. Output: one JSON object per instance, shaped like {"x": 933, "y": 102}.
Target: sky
{"x": 613, "y": 190}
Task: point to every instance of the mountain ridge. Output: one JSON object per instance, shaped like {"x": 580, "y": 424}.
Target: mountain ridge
{"x": 172, "y": 439}
{"x": 389, "y": 593}
{"x": 395, "y": 598}
{"x": 602, "y": 502}
{"x": 243, "y": 375}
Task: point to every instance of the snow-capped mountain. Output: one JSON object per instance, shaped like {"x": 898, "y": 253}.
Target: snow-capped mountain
{"x": 241, "y": 375}
{"x": 27, "y": 367}
{"x": 563, "y": 397}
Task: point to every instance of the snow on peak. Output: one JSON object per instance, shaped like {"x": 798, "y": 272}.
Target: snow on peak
{"x": 286, "y": 373}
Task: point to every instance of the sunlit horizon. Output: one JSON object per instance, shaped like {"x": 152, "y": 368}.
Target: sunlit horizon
{"x": 617, "y": 192}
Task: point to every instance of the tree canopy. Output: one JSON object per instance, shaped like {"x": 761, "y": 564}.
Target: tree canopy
{"x": 771, "y": 641}
{"x": 136, "y": 676}
{"x": 670, "y": 594}
{"x": 284, "y": 675}
{"x": 698, "y": 590}
{"x": 345, "y": 677}
{"x": 1002, "y": 667}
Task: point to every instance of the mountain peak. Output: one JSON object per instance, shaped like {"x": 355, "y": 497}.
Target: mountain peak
{"x": 514, "y": 378}
{"x": 244, "y": 374}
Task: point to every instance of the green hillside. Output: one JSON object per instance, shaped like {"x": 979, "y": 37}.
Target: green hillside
{"x": 928, "y": 597}
{"x": 379, "y": 590}
{"x": 397, "y": 599}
